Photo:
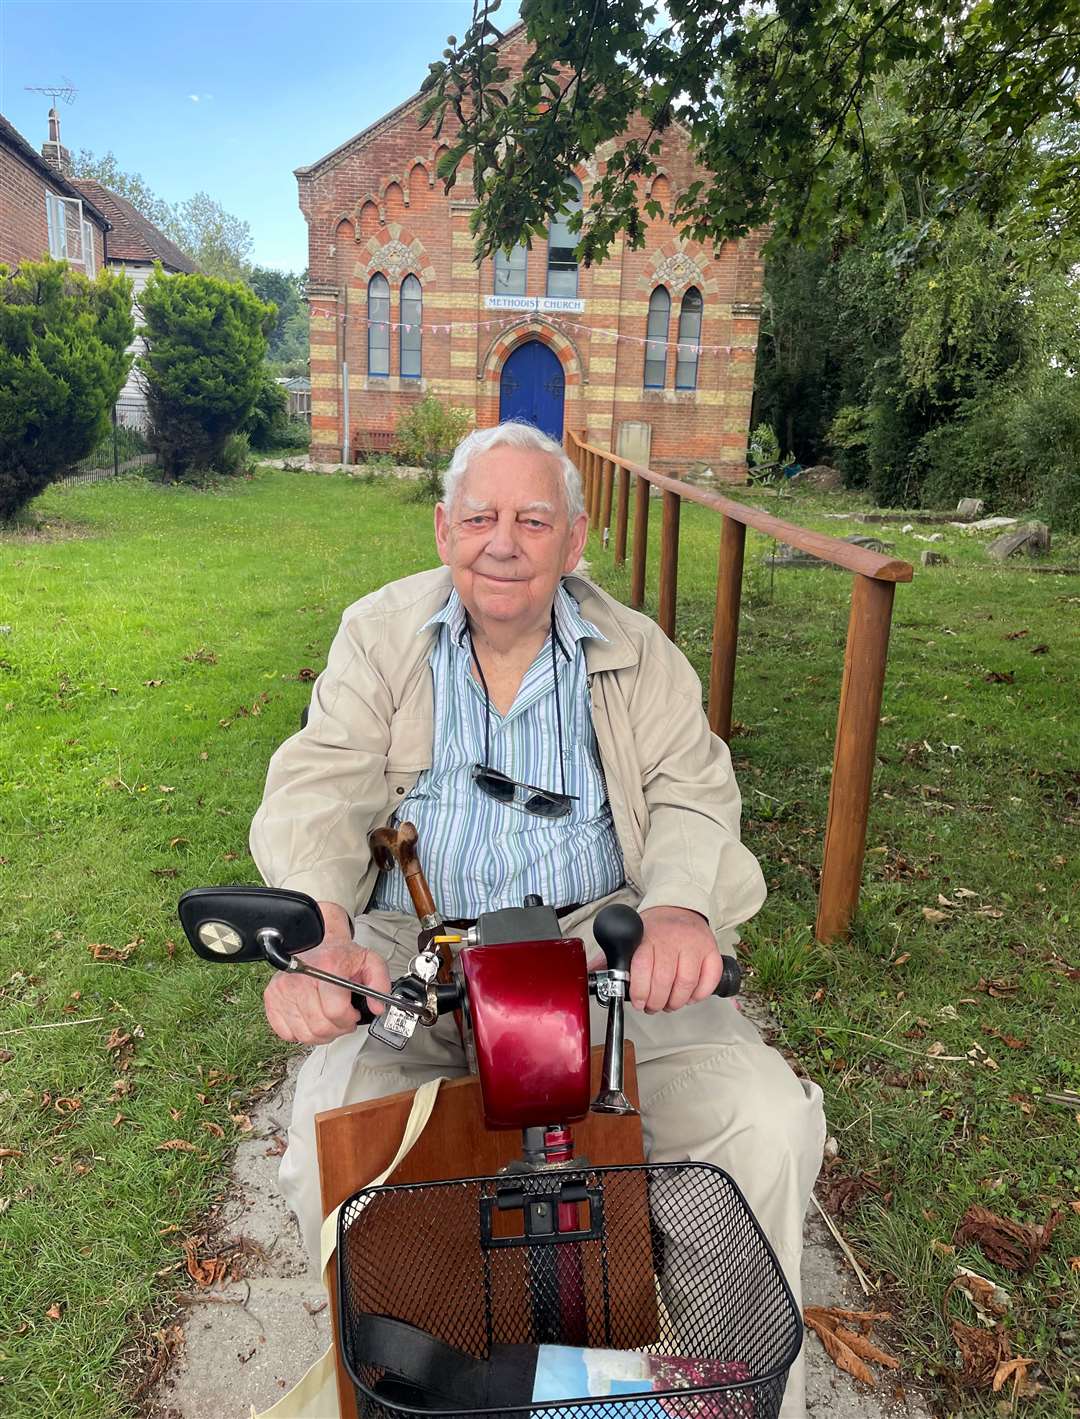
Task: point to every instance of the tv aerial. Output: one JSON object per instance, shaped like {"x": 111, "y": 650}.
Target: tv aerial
{"x": 65, "y": 91}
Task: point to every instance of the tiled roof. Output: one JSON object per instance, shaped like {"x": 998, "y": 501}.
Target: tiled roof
{"x": 11, "y": 138}
{"x": 133, "y": 238}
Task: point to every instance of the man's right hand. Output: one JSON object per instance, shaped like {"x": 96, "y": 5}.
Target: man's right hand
{"x": 311, "y": 1011}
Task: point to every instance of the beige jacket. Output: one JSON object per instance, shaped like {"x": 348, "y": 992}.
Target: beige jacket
{"x": 673, "y": 795}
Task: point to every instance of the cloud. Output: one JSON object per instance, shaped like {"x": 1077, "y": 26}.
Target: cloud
{"x": 200, "y": 98}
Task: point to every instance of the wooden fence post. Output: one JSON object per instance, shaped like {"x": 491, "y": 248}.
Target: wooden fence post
{"x": 641, "y": 542}
{"x": 609, "y": 478}
{"x": 597, "y": 487}
{"x": 669, "y": 562}
{"x": 726, "y": 626}
{"x": 853, "y": 757}
{"x": 621, "y": 515}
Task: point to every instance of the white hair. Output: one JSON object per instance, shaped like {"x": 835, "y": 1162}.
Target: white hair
{"x": 514, "y": 435}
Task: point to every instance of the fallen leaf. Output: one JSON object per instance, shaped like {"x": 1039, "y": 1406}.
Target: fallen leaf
{"x": 964, "y": 892}
{"x": 277, "y": 1147}
{"x": 204, "y": 1273}
{"x": 1015, "y": 635}
{"x": 102, "y": 951}
{"x": 10, "y": 1152}
{"x": 1007, "y": 1369}
{"x": 153, "y": 684}
{"x": 991, "y": 913}
{"x": 177, "y": 842}
{"x": 932, "y": 914}
{"x": 1075, "y": 1205}
{"x": 989, "y": 1299}
{"x": 998, "y": 987}
{"x": 1000, "y": 677}
{"x": 842, "y": 1355}
{"x": 202, "y": 656}
{"x": 306, "y": 674}
{"x": 176, "y": 1145}
{"x": 902, "y": 959}
{"x": 67, "y": 1106}
{"x": 936, "y": 1049}
{"x": 1015, "y": 1245}
{"x": 53, "y": 1312}
{"x": 242, "y": 1122}
{"x": 214, "y": 1128}
{"x": 1010, "y": 1041}
{"x": 1074, "y": 1263}
{"x": 165, "y": 788}
{"x": 844, "y": 1334}
{"x": 165, "y": 871}
{"x": 981, "y": 1352}
{"x": 1040, "y": 650}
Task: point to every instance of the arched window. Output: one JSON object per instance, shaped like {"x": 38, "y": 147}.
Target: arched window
{"x": 562, "y": 263}
{"x": 511, "y": 270}
{"x": 412, "y": 312}
{"x": 689, "y": 340}
{"x": 378, "y": 331}
{"x": 656, "y": 343}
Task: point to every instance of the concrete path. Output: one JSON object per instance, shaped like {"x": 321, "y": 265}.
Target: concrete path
{"x": 248, "y": 1342}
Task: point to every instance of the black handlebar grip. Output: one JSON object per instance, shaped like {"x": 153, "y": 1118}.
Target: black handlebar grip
{"x": 360, "y": 1003}
{"x": 618, "y": 930}
{"x": 731, "y": 980}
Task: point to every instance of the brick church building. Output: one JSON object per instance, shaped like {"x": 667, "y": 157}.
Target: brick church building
{"x": 652, "y": 352}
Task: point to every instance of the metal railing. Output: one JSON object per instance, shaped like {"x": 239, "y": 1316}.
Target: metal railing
{"x": 873, "y": 584}
{"x": 123, "y": 447}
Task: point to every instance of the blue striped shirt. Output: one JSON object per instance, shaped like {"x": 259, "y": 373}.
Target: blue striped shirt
{"x": 479, "y": 854}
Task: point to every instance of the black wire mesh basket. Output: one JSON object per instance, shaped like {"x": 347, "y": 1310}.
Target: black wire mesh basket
{"x": 505, "y": 1295}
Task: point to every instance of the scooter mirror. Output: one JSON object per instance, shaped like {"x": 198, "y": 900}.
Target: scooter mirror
{"x": 241, "y": 923}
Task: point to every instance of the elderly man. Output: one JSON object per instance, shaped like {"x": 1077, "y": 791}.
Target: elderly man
{"x": 543, "y": 738}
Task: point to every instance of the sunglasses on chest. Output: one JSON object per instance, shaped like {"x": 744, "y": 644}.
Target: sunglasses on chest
{"x": 525, "y": 797}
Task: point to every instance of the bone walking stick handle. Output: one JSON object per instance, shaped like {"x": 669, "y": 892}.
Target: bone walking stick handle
{"x": 390, "y": 845}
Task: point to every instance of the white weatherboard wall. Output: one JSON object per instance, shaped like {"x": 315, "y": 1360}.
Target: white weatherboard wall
{"x": 138, "y": 272}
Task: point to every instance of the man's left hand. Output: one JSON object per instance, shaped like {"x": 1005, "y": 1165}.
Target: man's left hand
{"x": 678, "y": 961}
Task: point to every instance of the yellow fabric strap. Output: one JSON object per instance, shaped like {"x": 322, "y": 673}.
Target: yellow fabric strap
{"x": 315, "y": 1396}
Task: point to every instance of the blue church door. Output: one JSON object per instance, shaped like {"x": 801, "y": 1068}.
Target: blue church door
{"x": 531, "y": 388}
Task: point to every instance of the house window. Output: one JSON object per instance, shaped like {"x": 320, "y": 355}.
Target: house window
{"x": 562, "y": 243}
{"x": 689, "y": 340}
{"x": 378, "y": 331}
{"x": 511, "y": 269}
{"x": 70, "y": 234}
{"x": 88, "y": 247}
{"x": 656, "y": 339}
{"x": 412, "y": 310}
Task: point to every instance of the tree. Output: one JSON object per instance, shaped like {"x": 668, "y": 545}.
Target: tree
{"x": 131, "y": 185}
{"x": 203, "y": 365}
{"x": 63, "y": 361}
{"x": 219, "y": 243}
{"x": 775, "y": 102}
{"x": 289, "y": 337}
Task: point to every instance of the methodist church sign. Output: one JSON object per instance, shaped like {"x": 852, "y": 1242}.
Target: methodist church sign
{"x": 545, "y": 305}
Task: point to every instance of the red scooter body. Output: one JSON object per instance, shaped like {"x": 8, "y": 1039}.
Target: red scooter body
{"x": 526, "y": 1028}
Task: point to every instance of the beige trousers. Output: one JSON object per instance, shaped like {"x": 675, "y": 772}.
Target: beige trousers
{"x": 711, "y": 1090}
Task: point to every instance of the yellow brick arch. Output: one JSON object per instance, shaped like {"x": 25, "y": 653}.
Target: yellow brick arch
{"x": 520, "y": 333}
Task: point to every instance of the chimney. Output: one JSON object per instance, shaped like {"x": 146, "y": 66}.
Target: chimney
{"x": 54, "y": 152}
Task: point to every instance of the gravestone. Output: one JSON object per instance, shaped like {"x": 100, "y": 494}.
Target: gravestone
{"x": 971, "y": 507}
{"x": 1033, "y": 538}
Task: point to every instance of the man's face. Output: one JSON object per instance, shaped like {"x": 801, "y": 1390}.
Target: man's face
{"x": 507, "y": 539}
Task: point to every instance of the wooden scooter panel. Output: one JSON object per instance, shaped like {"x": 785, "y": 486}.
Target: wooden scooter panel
{"x": 357, "y": 1142}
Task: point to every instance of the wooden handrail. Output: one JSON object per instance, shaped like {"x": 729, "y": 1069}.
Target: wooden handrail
{"x": 875, "y": 578}
{"x": 833, "y": 550}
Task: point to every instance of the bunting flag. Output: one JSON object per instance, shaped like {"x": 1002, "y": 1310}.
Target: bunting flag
{"x": 558, "y": 323}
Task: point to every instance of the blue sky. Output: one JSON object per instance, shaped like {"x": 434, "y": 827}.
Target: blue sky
{"x": 225, "y": 96}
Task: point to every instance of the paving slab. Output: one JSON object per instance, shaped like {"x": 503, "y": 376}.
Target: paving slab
{"x": 249, "y": 1342}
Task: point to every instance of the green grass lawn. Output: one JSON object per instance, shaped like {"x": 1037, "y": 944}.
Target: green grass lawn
{"x": 151, "y": 661}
